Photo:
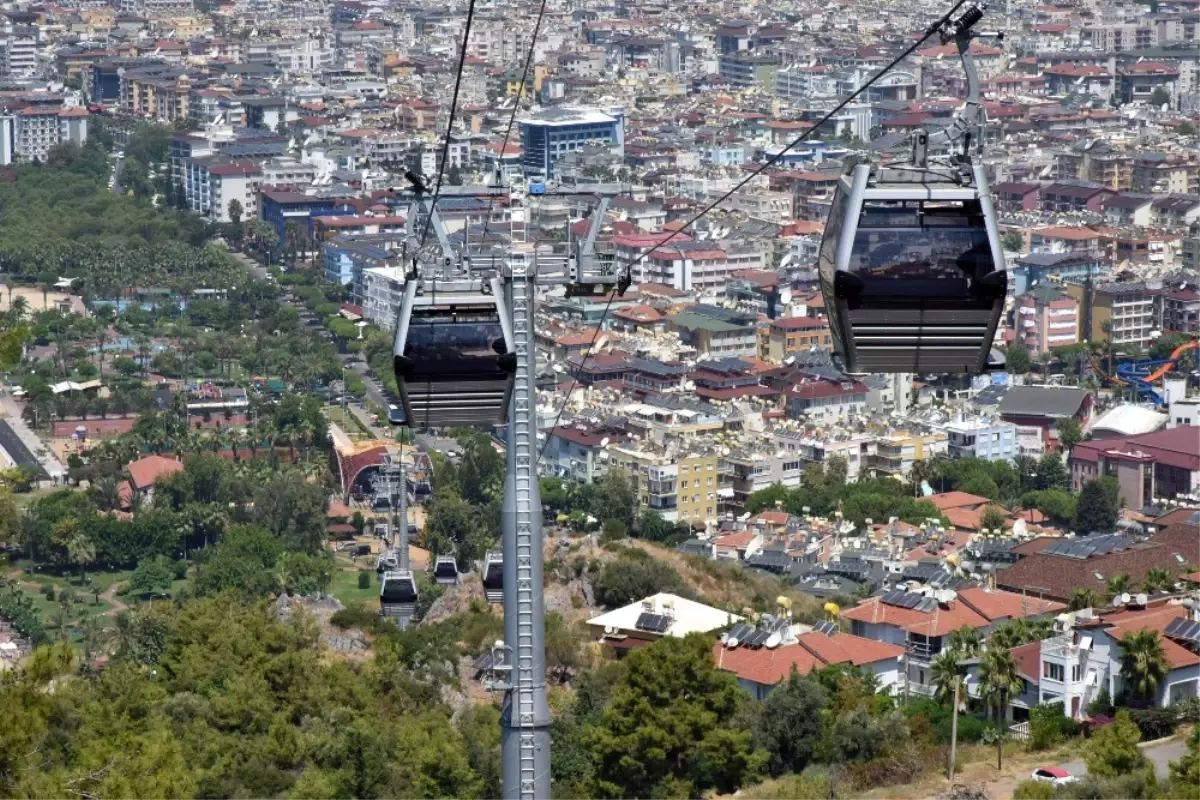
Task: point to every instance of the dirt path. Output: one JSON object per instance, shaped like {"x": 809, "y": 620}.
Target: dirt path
{"x": 110, "y": 595}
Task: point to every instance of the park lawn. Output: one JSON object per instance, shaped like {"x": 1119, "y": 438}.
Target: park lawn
{"x": 102, "y": 580}
{"x": 347, "y": 422}
{"x": 344, "y": 587}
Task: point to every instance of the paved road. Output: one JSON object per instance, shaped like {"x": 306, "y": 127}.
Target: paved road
{"x": 118, "y": 165}
{"x": 10, "y": 412}
{"x": 1161, "y": 754}
{"x": 21, "y": 456}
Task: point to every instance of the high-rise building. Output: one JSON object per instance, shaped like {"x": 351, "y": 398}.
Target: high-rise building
{"x": 560, "y": 130}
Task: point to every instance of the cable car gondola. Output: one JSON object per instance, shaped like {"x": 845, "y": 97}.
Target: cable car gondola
{"x": 493, "y": 576}
{"x": 398, "y": 596}
{"x": 454, "y": 358}
{"x": 911, "y": 264}
{"x": 445, "y": 571}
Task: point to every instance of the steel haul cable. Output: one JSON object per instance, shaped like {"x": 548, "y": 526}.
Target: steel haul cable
{"x": 929, "y": 32}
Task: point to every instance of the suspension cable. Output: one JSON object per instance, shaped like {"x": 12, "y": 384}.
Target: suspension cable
{"x": 933, "y": 29}
{"x": 462, "y": 58}
{"x": 537, "y": 27}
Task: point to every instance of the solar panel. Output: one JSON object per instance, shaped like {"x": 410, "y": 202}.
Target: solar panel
{"x": 828, "y": 628}
{"x": 759, "y": 638}
{"x": 655, "y": 623}
{"x": 927, "y": 604}
{"x": 1183, "y": 629}
{"x": 739, "y": 632}
{"x": 664, "y": 622}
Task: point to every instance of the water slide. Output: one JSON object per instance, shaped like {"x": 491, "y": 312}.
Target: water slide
{"x": 1142, "y": 375}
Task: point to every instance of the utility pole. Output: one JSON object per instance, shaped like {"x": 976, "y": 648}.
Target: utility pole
{"x": 907, "y": 649}
{"x": 954, "y": 730}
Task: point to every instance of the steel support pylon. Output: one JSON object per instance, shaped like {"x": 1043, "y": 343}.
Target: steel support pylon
{"x": 525, "y": 716}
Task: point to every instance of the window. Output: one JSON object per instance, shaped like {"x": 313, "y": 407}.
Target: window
{"x": 1076, "y": 672}
{"x": 1052, "y": 671}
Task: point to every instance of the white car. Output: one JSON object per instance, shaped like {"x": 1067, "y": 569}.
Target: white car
{"x": 1055, "y": 775}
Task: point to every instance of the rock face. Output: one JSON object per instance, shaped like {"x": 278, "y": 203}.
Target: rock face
{"x": 321, "y": 608}
{"x": 456, "y": 599}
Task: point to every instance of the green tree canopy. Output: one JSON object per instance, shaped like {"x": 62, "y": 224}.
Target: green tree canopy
{"x": 667, "y": 730}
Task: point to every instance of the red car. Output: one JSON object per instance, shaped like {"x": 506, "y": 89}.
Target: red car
{"x": 1055, "y": 775}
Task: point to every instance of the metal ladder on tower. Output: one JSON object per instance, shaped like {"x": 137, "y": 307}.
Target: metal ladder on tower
{"x": 523, "y": 440}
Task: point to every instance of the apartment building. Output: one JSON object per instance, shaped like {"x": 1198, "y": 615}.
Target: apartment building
{"x": 789, "y": 336}
{"x": 714, "y": 334}
{"x": 1045, "y": 318}
{"x": 682, "y": 488}
{"x": 382, "y": 287}
{"x": 1181, "y": 310}
{"x": 1162, "y": 464}
{"x": 579, "y": 452}
{"x": 895, "y": 453}
{"x": 1162, "y": 173}
{"x": 1131, "y": 313}
{"x": 29, "y": 133}
{"x": 991, "y": 441}
{"x": 238, "y": 181}
{"x": 827, "y": 398}
{"x": 20, "y": 50}
{"x": 855, "y": 449}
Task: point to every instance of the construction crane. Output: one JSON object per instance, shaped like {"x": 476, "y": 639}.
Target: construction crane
{"x": 465, "y": 354}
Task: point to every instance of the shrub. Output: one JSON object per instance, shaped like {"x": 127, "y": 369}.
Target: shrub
{"x": 794, "y": 787}
{"x": 1048, "y": 726}
{"x": 626, "y": 580}
{"x": 48, "y": 590}
{"x": 1154, "y": 723}
{"x": 180, "y": 569}
{"x": 1034, "y": 790}
{"x": 1102, "y": 706}
{"x": 1187, "y": 712}
{"x": 364, "y": 579}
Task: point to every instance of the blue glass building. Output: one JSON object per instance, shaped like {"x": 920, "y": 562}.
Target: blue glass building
{"x": 560, "y": 130}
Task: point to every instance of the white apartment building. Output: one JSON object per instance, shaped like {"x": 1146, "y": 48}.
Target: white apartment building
{"x": 31, "y": 132}
{"x": 228, "y": 182}
{"x": 20, "y": 50}
{"x": 383, "y": 289}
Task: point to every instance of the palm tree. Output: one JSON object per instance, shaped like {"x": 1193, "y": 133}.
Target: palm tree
{"x": 1118, "y": 584}
{"x": 81, "y": 552}
{"x": 123, "y": 630}
{"x": 998, "y": 684}
{"x": 107, "y": 491}
{"x": 945, "y": 673}
{"x": 1083, "y": 598}
{"x": 1040, "y": 628}
{"x": 1143, "y": 663}
{"x": 1157, "y": 580}
{"x": 966, "y": 640}
{"x": 1008, "y": 635}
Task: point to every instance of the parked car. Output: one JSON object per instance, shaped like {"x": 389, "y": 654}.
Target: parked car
{"x": 1055, "y": 775}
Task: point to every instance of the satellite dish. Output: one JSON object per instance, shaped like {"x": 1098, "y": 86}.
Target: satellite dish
{"x": 1141, "y": 599}
{"x": 604, "y": 442}
{"x": 773, "y": 641}
{"x": 732, "y": 642}
{"x": 1124, "y": 598}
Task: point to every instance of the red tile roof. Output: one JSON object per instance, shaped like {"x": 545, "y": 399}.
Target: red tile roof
{"x": 997, "y": 605}
{"x": 975, "y": 608}
{"x": 957, "y": 500}
{"x": 769, "y": 666}
{"x": 1028, "y": 658}
{"x": 145, "y": 471}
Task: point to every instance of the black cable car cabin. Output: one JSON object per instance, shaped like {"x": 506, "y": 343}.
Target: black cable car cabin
{"x": 453, "y": 355}
{"x": 493, "y": 576}
{"x": 399, "y": 588}
{"x": 913, "y": 271}
{"x": 445, "y": 571}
